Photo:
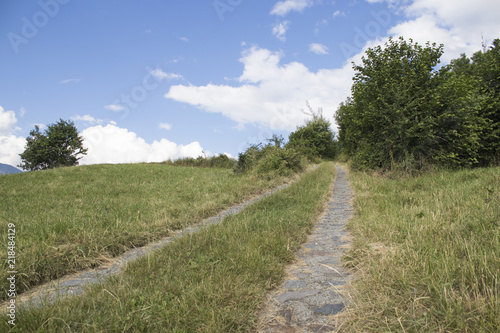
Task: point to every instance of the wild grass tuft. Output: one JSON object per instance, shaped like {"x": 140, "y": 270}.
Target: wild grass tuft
{"x": 427, "y": 250}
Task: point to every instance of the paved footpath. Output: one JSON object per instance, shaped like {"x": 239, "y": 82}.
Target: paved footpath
{"x": 312, "y": 293}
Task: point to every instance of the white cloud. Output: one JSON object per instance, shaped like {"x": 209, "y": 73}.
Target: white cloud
{"x": 184, "y": 39}
{"x": 160, "y": 75}
{"x": 10, "y": 145}
{"x": 114, "y": 107}
{"x": 280, "y": 29}
{"x": 87, "y": 118}
{"x": 270, "y": 94}
{"x": 112, "y": 144}
{"x": 22, "y": 111}
{"x": 456, "y": 24}
{"x": 165, "y": 126}
{"x": 281, "y": 8}
{"x": 10, "y": 148}
{"x": 7, "y": 121}
{"x": 318, "y": 48}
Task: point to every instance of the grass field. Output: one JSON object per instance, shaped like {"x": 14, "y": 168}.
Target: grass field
{"x": 211, "y": 281}
{"x": 427, "y": 251}
{"x": 69, "y": 219}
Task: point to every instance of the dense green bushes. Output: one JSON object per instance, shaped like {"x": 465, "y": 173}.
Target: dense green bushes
{"x": 405, "y": 113}
{"x": 309, "y": 143}
{"x": 270, "y": 158}
{"x": 315, "y": 139}
{"x": 219, "y": 161}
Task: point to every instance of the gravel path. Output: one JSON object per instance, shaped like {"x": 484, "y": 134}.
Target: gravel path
{"x": 75, "y": 284}
{"x": 312, "y": 293}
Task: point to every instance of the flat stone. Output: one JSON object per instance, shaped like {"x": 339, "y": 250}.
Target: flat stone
{"x": 319, "y": 253}
{"x": 329, "y": 309}
{"x": 294, "y": 284}
{"x": 296, "y": 295}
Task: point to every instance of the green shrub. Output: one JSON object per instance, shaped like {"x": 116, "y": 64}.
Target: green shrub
{"x": 315, "y": 140}
{"x": 270, "y": 158}
{"x": 220, "y": 162}
{"x": 248, "y": 160}
{"x": 281, "y": 161}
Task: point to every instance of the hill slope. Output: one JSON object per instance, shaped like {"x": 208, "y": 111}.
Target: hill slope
{"x": 70, "y": 219}
{"x": 7, "y": 169}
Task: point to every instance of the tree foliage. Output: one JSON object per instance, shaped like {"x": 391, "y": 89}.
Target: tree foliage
{"x": 59, "y": 146}
{"x": 315, "y": 139}
{"x": 405, "y": 112}
{"x": 310, "y": 142}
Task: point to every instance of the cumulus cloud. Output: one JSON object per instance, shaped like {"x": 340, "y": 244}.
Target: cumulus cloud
{"x": 7, "y": 121}
{"x": 10, "y": 145}
{"x": 280, "y": 29}
{"x": 10, "y": 148}
{"x": 458, "y": 25}
{"x": 281, "y": 8}
{"x": 112, "y": 144}
{"x": 318, "y": 48}
{"x": 270, "y": 94}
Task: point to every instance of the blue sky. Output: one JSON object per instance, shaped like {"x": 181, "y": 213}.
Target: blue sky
{"x": 147, "y": 81}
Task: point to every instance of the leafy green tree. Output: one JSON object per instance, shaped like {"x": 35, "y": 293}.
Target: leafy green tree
{"x": 486, "y": 67}
{"x": 457, "y": 124}
{"x": 59, "y": 146}
{"x": 315, "y": 139}
{"x": 387, "y": 120}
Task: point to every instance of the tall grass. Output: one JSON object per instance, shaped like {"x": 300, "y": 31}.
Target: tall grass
{"x": 211, "y": 281}
{"x": 427, "y": 250}
{"x": 70, "y": 219}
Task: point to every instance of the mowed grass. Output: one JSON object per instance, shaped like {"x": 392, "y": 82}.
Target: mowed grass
{"x": 211, "y": 281}
{"x": 70, "y": 219}
{"x": 427, "y": 250}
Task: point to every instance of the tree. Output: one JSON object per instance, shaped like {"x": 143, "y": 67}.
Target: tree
{"x": 486, "y": 67}
{"x": 387, "y": 120}
{"x": 315, "y": 139}
{"x": 59, "y": 146}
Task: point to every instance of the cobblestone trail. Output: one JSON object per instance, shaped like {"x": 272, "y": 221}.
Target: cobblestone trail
{"x": 75, "y": 284}
{"x": 312, "y": 293}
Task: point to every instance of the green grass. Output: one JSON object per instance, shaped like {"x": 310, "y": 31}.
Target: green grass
{"x": 427, "y": 250}
{"x": 69, "y": 219}
{"x": 211, "y": 281}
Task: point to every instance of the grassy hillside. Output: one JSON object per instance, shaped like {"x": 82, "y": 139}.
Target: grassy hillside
{"x": 70, "y": 219}
{"x": 211, "y": 281}
{"x": 427, "y": 251}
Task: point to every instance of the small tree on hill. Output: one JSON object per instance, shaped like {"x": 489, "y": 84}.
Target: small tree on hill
{"x": 315, "y": 139}
{"x": 59, "y": 146}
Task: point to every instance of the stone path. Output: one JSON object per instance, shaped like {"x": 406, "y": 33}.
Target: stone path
{"x": 75, "y": 284}
{"x": 312, "y": 293}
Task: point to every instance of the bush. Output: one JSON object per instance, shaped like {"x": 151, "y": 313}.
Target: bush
{"x": 271, "y": 158}
{"x": 315, "y": 140}
{"x": 281, "y": 161}
{"x": 219, "y": 162}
